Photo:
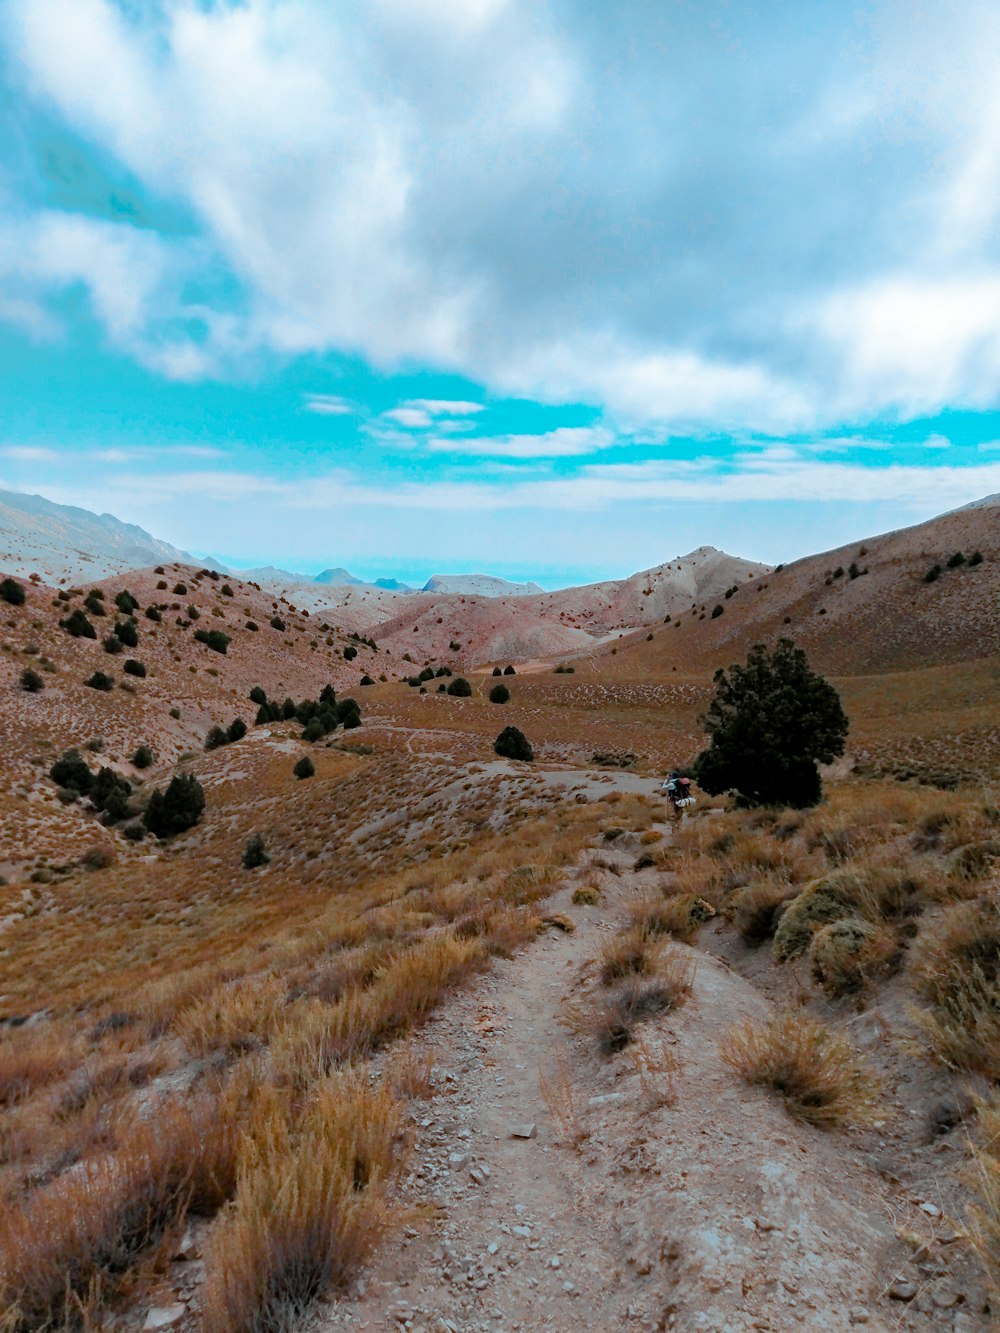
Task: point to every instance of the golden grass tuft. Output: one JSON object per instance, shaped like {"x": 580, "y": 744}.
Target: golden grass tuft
{"x": 310, "y": 1206}
{"x": 558, "y": 1093}
{"x": 956, "y": 968}
{"x": 984, "y": 1216}
{"x": 818, "y": 1074}
{"x": 73, "y": 1243}
{"x": 678, "y": 916}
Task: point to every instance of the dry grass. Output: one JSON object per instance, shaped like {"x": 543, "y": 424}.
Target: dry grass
{"x": 756, "y": 910}
{"x": 657, "y": 1067}
{"x": 634, "y": 952}
{"x": 613, "y": 1019}
{"x": 678, "y": 916}
{"x": 956, "y": 968}
{"x": 75, "y": 1242}
{"x": 984, "y": 1218}
{"x": 558, "y": 1093}
{"x": 311, "y": 1203}
{"x": 818, "y": 1075}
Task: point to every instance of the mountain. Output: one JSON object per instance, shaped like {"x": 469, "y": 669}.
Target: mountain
{"x": 887, "y": 603}
{"x": 478, "y": 585}
{"x": 339, "y": 578}
{"x": 392, "y": 585}
{"x": 64, "y": 544}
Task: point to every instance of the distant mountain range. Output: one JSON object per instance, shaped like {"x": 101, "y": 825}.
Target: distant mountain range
{"x": 64, "y": 544}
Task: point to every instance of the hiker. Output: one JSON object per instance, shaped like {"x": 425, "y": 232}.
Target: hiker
{"x": 678, "y": 791}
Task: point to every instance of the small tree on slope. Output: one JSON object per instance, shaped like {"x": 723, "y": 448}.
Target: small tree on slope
{"x": 770, "y": 723}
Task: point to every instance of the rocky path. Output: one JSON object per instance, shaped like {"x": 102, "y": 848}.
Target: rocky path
{"x": 710, "y": 1209}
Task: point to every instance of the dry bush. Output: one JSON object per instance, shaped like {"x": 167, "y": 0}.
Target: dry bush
{"x": 755, "y": 910}
{"x": 411, "y": 1076}
{"x": 815, "y": 1071}
{"x": 72, "y": 1244}
{"x": 825, "y": 900}
{"x": 31, "y": 1057}
{"x": 657, "y": 1066}
{"x": 956, "y": 968}
{"x": 310, "y": 1206}
{"x": 587, "y": 895}
{"x": 614, "y": 1018}
{"x": 678, "y": 916}
{"x": 556, "y": 1087}
{"x": 632, "y": 953}
{"x": 234, "y": 1018}
{"x": 984, "y": 1216}
{"x": 847, "y": 956}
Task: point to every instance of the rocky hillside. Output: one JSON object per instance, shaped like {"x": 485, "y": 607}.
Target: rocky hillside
{"x": 62, "y": 542}
{"x": 918, "y": 597}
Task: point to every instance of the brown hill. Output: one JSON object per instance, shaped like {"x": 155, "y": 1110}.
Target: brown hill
{"x": 889, "y": 603}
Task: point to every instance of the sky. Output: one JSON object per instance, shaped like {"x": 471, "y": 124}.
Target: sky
{"x": 544, "y": 288}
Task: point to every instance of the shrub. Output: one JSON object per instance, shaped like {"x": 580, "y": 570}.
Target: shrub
{"x": 237, "y": 730}
{"x": 31, "y": 682}
{"x": 310, "y": 1208}
{"x": 100, "y": 681}
{"x": 133, "y": 668}
{"x": 956, "y": 560}
{"x": 254, "y": 853}
{"x": 755, "y": 910}
{"x": 178, "y": 808}
{"x": 614, "y": 1019}
{"x": 815, "y": 1071}
{"x": 215, "y": 737}
{"x": 109, "y": 793}
{"x": 77, "y": 624}
{"x": 717, "y": 610}
{"x": 94, "y": 604}
{"x": 126, "y": 603}
{"x": 846, "y": 955}
{"x": 497, "y": 671}
{"x": 143, "y": 757}
{"x": 933, "y": 574}
{"x": 258, "y": 695}
{"x": 128, "y": 633}
{"x": 305, "y": 768}
{"x": 252, "y": 626}
{"x": 443, "y": 671}
{"x": 976, "y": 558}
{"x": 499, "y": 694}
{"x": 277, "y": 623}
{"x": 71, "y": 771}
{"x": 12, "y": 592}
{"x": 213, "y": 638}
{"x": 112, "y": 644}
{"x": 366, "y": 679}
{"x": 956, "y": 968}
{"x": 820, "y": 903}
{"x": 153, "y": 613}
{"x": 513, "y": 744}
{"x": 460, "y": 688}
{"x": 350, "y": 653}
{"x": 770, "y": 722}
{"x": 509, "y": 670}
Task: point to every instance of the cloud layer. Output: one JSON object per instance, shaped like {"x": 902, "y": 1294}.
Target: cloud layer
{"x": 699, "y": 217}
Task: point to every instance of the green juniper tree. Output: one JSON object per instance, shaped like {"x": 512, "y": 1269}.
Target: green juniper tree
{"x": 771, "y": 721}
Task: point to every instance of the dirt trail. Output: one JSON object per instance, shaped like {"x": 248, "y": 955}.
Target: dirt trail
{"x": 718, "y": 1212}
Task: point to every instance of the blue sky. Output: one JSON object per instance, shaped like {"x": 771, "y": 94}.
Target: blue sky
{"x": 546, "y": 288}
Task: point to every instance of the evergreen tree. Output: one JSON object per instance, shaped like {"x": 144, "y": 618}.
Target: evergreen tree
{"x": 499, "y": 694}
{"x": 513, "y": 744}
{"x": 77, "y": 624}
{"x": 13, "y": 592}
{"x": 305, "y": 768}
{"x": 770, "y": 723}
{"x": 31, "y": 681}
{"x": 176, "y": 809}
{"x": 254, "y": 853}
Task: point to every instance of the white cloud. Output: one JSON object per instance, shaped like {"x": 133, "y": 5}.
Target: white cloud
{"x": 540, "y": 197}
{"x": 436, "y": 407}
{"x": 564, "y": 442}
{"x": 413, "y": 418}
{"x": 26, "y": 453}
{"x": 328, "y": 404}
